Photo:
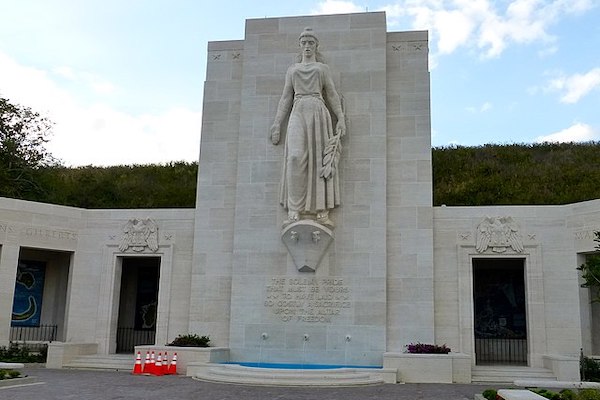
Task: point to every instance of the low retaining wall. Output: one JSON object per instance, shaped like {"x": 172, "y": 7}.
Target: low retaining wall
{"x": 60, "y": 353}
{"x": 565, "y": 368}
{"x": 186, "y": 355}
{"x": 429, "y": 368}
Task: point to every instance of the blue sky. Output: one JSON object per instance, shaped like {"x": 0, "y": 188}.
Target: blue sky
{"x": 123, "y": 80}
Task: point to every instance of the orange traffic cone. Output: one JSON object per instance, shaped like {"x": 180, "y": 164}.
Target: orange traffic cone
{"x": 158, "y": 366}
{"x": 152, "y": 364}
{"x": 173, "y": 366}
{"x": 137, "y": 368}
{"x": 147, "y": 363}
{"x": 165, "y": 365}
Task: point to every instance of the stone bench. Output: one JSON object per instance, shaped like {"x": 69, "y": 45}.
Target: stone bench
{"x": 519, "y": 394}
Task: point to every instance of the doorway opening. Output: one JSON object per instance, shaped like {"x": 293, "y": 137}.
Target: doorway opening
{"x": 138, "y": 302}
{"x": 40, "y": 297}
{"x": 500, "y": 311}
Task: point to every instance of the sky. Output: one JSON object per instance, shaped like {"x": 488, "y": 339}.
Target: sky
{"x": 123, "y": 80}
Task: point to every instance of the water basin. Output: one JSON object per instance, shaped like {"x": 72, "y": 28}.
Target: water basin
{"x": 298, "y": 366}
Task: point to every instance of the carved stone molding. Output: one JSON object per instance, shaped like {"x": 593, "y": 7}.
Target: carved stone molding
{"x": 221, "y": 56}
{"x": 404, "y": 47}
{"x": 498, "y": 234}
{"x": 307, "y": 242}
{"x": 139, "y": 234}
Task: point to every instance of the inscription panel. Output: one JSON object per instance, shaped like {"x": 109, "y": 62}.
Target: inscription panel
{"x": 12, "y": 231}
{"x": 307, "y": 299}
{"x": 585, "y": 234}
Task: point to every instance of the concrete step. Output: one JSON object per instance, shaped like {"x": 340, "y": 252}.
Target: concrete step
{"x": 506, "y": 374}
{"x": 286, "y": 377}
{"x": 113, "y": 362}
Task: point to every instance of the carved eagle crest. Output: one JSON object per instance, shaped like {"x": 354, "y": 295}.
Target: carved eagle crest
{"x": 139, "y": 234}
{"x": 499, "y": 233}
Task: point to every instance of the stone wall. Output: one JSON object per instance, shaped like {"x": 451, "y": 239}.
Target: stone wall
{"x": 380, "y": 261}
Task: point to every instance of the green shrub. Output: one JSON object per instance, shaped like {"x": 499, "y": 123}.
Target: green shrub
{"x": 14, "y": 374}
{"x": 22, "y": 354}
{"x": 568, "y": 394}
{"x": 190, "y": 340}
{"x": 489, "y": 394}
{"x": 588, "y": 394}
{"x": 9, "y": 374}
{"x": 547, "y": 394}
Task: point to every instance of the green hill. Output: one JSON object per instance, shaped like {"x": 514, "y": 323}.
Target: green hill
{"x": 467, "y": 176}
{"x": 137, "y": 186}
{"x": 548, "y": 173}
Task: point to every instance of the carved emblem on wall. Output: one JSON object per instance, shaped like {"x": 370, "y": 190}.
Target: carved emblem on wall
{"x": 139, "y": 234}
{"x": 409, "y": 46}
{"x": 498, "y": 234}
{"x": 307, "y": 243}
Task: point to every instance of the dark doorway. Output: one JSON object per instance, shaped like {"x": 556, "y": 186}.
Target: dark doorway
{"x": 500, "y": 311}
{"x": 138, "y": 302}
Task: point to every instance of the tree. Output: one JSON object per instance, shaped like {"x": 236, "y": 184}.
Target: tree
{"x": 23, "y": 135}
{"x": 590, "y": 272}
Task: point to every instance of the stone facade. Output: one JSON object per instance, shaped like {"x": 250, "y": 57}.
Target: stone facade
{"x": 397, "y": 271}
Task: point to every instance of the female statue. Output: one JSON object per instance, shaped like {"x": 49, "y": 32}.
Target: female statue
{"x": 310, "y": 180}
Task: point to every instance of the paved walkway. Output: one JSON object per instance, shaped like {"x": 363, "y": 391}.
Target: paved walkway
{"x": 102, "y": 385}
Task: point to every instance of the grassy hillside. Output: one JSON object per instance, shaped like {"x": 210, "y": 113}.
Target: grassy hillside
{"x": 484, "y": 175}
{"x": 546, "y": 173}
{"x": 137, "y": 186}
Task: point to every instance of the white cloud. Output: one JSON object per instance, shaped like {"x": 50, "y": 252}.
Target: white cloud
{"x": 337, "y": 7}
{"x": 454, "y": 29}
{"x": 487, "y": 106}
{"x": 483, "y": 24}
{"x": 574, "y": 87}
{"x": 577, "y": 132}
{"x": 93, "y": 81}
{"x": 99, "y": 134}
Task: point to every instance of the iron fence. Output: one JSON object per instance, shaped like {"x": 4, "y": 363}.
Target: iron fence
{"x": 34, "y": 337}
{"x": 128, "y": 338}
{"x": 500, "y": 351}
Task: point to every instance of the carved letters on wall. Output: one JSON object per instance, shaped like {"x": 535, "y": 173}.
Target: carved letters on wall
{"x": 139, "y": 234}
{"x": 498, "y": 234}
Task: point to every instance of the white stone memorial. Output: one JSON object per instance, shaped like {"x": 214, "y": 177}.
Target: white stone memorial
{"x": 314, "y": 239}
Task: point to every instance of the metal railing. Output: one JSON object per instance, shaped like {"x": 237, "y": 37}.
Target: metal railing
{"x": 500, "y": 351}
{"x": 34, "y": 337}
{"x": 128, "y": 338}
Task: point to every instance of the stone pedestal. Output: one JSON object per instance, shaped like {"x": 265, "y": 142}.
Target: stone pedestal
{"x": 307, "y": 242}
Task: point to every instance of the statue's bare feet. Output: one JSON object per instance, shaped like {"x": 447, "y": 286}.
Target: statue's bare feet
{"x": 293, "y": 216}
{"x": 323, "y": 219}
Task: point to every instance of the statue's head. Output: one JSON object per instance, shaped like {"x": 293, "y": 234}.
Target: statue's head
{"x": 308, "y": 32}
{"x": 309, "y": 43}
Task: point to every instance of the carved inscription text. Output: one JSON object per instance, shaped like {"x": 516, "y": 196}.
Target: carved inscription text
{"x": 307, "y": 299}
{"x": 37, "y": 232}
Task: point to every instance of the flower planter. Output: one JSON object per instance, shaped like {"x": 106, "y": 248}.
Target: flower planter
{"x": 430, "y": 368}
